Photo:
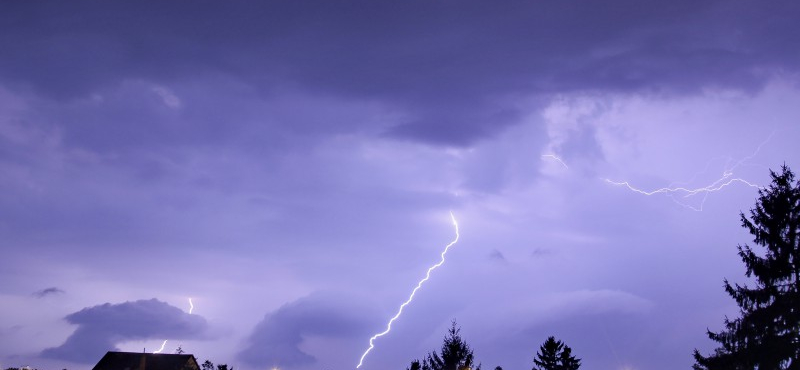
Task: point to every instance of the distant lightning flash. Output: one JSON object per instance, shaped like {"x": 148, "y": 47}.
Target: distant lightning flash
{"x": 162, "y": 347}
{"x": 725, "y": 180}
{"x": 716, "y": 186}
{"x": 191, "y": 308}
{"x": 557, "y": 158}
{"x": 411, "y": 297}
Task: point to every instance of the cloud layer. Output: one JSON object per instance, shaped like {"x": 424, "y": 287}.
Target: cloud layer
{"x": 277, "y": 339}
{"x": 254, "y": 155}
{"x": 101, "y": 328}
{"x": 448, "y": 68}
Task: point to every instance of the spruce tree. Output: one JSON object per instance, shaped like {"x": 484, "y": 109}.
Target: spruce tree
{"x": 415, "y": 365}
{"x": 555, "y": 355}
{"x": 455, "y": 354}
{"x": 766, "y": 336}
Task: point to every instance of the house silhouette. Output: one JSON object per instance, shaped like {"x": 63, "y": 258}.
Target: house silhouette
{"x": 146, "y": 361}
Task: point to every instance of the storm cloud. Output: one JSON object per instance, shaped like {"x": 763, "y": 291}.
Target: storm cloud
{"x": 249, "y": 154}
{"x": 276, "y": 340}
{"x": 449, "y": 68}
{"x": 101, "y": 328}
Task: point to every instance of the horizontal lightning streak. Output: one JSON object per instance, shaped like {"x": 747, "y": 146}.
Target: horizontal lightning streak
{"x": 411, "y": 297}
{"x": 715, "y": 186}
{"x": 687, "y": 192}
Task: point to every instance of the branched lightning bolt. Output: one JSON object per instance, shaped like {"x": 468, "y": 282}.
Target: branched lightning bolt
{"x": 162, "y": 347}
{"x": 725, "y": 180}
{"x": 715, "y": 186}
{"x": 411, "y": 297}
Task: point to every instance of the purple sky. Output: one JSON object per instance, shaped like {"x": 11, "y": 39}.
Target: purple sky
{"x": 291, "y": 167}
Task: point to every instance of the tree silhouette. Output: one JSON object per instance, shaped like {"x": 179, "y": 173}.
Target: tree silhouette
{"x": 555, "y": 355}
{"x": 208, "y": 365}
{"x": 415, "y": 365}
{"x": 766, "y": 336}
{"x": 455, "y": 354}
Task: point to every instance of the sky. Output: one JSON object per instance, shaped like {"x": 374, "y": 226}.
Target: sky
{"x": 291, "y": 167}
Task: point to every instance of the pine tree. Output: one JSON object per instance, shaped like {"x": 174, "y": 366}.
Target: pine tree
{"x": 568, "y": 361}
{"x": 548, "y": 355}
{"x": 455, "y": 354}
{"x": 555, "y": 355}
{"x": 767, "y": 335}
{"x": 416, "y": 365}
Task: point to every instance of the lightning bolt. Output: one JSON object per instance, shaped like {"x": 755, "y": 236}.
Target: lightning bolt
{"x": 191, "y": 308}
{"x": 162, "y": 347}
{"x": 725, "y": 180}
{"x": 411, "y": 297}
{"x": 557, "y": 158}
{"x": 687, "y": 192}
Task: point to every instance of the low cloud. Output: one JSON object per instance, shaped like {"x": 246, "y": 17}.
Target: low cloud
{"x": 603, "y": 301}
{"x": 276, "y": 340}
{"x": 48, "y": 291}
{"x": 101, "y": 327}
{"x": 496, "y": 255}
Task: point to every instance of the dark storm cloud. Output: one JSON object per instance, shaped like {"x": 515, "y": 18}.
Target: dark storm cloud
{"x": 47, "y": 291}
{"x": 444, "y": 64}
{"x": 101, "y": 327}
{"x": 276, "y": 340}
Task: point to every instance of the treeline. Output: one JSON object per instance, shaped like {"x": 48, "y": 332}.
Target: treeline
{"x": 456, "y": 354}
{"x": 208, "y": 365}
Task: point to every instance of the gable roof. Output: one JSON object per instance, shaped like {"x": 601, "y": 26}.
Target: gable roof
{"x": 146, "y": 361}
